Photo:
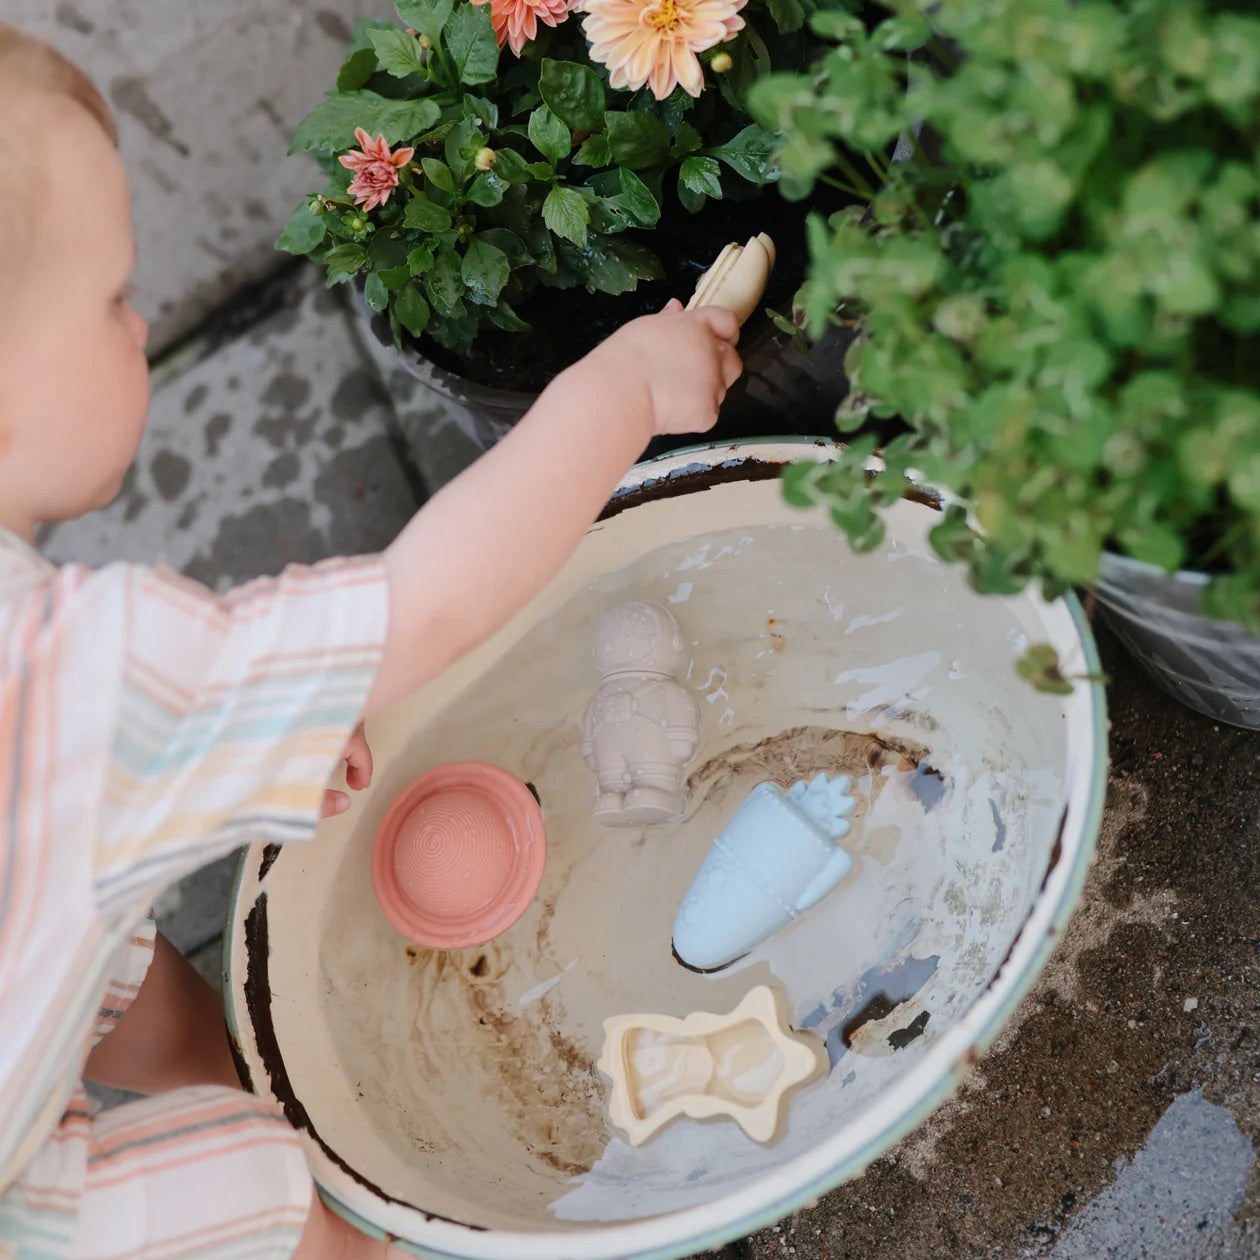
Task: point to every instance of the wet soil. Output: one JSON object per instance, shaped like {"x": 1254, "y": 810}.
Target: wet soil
{"x": 1104, "y": 1043}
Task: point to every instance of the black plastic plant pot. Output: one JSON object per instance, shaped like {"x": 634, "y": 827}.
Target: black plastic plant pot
{"x": 785, "y": 390}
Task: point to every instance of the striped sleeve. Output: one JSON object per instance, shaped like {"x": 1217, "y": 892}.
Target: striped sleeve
{"x": 231, "y": 712}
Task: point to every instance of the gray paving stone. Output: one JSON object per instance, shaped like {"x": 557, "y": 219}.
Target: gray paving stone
{"x": 192, "y": 913}
{"x": 278, "y": 447}
{"x": 208, "y": 95}
{"x": 436, "y": 444}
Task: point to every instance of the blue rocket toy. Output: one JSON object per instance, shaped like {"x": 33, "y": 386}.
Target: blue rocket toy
{"x": 777, "y": 856}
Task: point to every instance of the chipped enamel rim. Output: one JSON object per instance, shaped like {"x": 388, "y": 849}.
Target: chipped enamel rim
{"x": 904, "y": 1106}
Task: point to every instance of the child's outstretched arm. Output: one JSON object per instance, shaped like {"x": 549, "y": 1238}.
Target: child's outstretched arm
{"x": 482, "y": 547}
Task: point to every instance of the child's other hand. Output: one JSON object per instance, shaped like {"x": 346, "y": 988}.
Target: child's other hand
{"x": 686, "y": 360}
{"x": 358, "y": 758}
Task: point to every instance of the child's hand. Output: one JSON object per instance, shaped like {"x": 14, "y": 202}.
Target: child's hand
{"x": 686, "y": 360}
{"x": 358, "y": 758}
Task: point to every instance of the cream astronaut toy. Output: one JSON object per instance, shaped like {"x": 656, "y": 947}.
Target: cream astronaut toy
{"x": 643, "y": 726}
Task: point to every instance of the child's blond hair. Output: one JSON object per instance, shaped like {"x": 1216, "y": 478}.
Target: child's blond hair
{"x": 28, "y": 64}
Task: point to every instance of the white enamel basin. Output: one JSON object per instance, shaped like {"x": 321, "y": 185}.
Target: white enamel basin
{"x": 451, "y": 1099}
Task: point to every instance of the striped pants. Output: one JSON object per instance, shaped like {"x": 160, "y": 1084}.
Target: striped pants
{"x": 196, "y": 1174}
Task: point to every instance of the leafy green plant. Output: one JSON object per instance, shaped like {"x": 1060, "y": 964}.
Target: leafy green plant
{"x": 1058, "y": 294}
{"x": 521, "y": 171}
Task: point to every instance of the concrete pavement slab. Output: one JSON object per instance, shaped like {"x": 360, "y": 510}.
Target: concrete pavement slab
{"x": 280, "y": 446}
{"x": 207, "y": 97}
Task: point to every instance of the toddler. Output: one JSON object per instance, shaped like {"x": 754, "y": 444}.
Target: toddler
{"x": 148, "y": 726}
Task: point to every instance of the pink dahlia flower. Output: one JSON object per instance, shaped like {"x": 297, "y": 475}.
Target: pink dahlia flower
{"x": 375, "y": 169}
{"x": 515, "y": 22}
{"x": 655, "y": 42}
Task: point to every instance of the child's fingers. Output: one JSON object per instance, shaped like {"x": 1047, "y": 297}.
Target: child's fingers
{"x": 722, "y": 321}
{"x": 672, "y": 305}
{"x": 334, "y": 803}
{"x": 358, "y": 758}
{"x": 732, "y": 364}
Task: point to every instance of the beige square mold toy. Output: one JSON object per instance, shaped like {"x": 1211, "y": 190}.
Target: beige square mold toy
{"x": 742, "y": 1065}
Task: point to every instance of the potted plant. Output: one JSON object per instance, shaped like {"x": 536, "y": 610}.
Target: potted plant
{"x": 509, "y": 180}
{"x": 1059, "y": 299}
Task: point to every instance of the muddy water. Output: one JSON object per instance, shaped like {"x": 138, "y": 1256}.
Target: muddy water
{"x": 474, "y": 1069}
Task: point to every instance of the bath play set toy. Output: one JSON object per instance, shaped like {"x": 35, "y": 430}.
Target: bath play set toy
{"x": 738, "y": 278}
{"x": 643, "y": 725}
{"x": 776, "y": 857}
{"x": 742, "y": 1065}
{"x": 459, "y": 855}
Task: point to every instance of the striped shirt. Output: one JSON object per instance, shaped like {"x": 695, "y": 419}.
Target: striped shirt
{"x": 147, "y": 727}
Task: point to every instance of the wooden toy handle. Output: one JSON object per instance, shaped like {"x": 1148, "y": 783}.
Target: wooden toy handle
{"x": 738, "y": 278}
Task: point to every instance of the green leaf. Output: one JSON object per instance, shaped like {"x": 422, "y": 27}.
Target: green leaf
{"x": 788, "y": 15}
{"x": 542, "y": 246}
{"x": 637, "y": 259}
{"x": 463, "y": 142}
{"x": 375, "y": 293}
{"x": 423, "y": 215}
{"x": 426, "y": 16}
{"x": 837, "y": 24}
{"x": 487, "y": 189}
{"x": 398, "y": 52}
{"x": 303, "y": 232}
{"x": 550, "y": 136}
{"x": 445, "y": 285}
{"x": 595, "y": 151}
{"x": 1040, "y": 666}
{"x": 357, "y": 69}
{"x": 1154, "y": 543}
{"x": 1244, "y": 484}
{"x": 503, "y": 316}
{"x": 486, "y": 112}
{"x": 420, "y": 259}
{"x": 750, "y": 154}
{"x": 360, "y": 33}
{"x": 637, "y": 139}
{"x": 511, "y": 167}
{"x": 688, "y": 140}
{"x": 395, "y": 277}
{"x": 438, "y": 174}
{"x": 330, "y": 125}
{"x": 485, "y": 271}
{"x": 701, "y": 175}
{"x": 799, "y": 483}
{"x": 572, "y": 92}
{"x": 412, "y": 310}
{"x": 511, "y": 244}
{"x": 691, "y": 201}
{"x": 343, "y": 261}
{"x": 635, "y": 201}
{"x": 604, "y": 271}
{"x": 472, "y": 45}
{"x": 903, "y": 33}
{"x": 566, "y": 213}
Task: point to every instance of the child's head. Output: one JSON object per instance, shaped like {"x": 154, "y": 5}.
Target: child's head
{"x": 73, "y": 377}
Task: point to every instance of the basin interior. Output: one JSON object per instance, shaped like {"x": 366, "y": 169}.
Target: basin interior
{"x": 462, "y": 1083}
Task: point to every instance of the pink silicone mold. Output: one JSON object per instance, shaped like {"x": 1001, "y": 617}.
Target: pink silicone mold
{"x": 459, "y": 855}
